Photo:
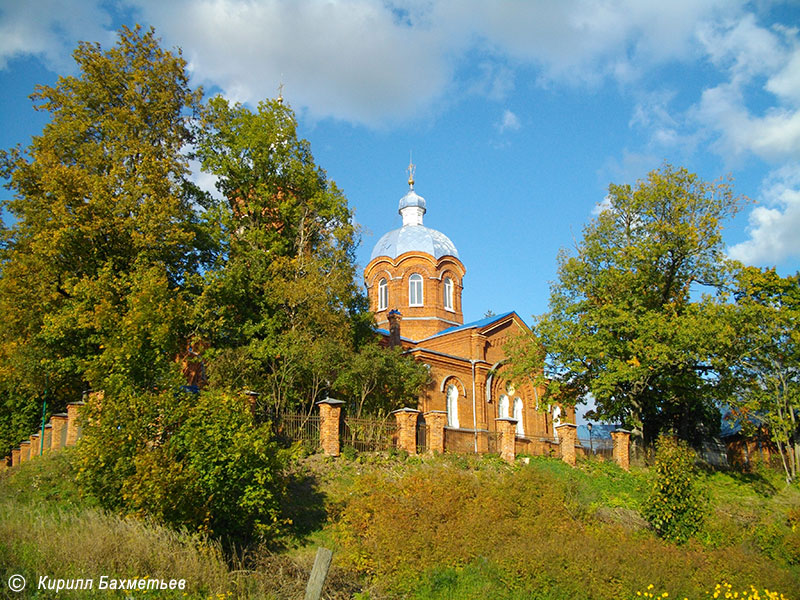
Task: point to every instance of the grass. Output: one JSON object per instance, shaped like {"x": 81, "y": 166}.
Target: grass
{"x": 433, "y": 528}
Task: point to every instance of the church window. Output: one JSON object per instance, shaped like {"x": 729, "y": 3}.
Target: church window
{"x": 518, "y": 416}
{"x": 502, "y": 407}
{"x": 383, "y": 295}
{"x": 448, "y": 293}
{"x": 452, "y": 406}
{"x": 415, "y": 290}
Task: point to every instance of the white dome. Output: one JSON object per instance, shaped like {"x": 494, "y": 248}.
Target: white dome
{"x": 417, "y": 238}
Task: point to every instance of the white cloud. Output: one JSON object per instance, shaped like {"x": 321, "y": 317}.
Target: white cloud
{"x": 774, "y": 226}
{"x": 509, "y": 122}
{"x": 50, "y": 29}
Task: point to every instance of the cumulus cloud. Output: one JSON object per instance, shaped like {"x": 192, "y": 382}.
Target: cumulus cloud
{"x": 774, "y": 225}
{"x": 50, "y": 29}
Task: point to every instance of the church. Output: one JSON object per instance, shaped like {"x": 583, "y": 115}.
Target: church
{"x": 415, "y": 281}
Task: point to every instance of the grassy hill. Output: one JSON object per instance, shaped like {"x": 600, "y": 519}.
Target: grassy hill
{"x": 443, "y": 527}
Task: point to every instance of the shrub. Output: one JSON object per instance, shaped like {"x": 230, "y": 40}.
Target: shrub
{"x": 675, "y": 506}
{"x": 196, "y": 461}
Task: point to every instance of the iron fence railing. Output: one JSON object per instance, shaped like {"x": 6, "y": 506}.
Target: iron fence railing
{"x": 297, "y": 428}
{"x": 367, "y": 435}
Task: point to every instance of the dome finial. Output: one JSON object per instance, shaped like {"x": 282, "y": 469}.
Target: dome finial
{"x": 411, "y": 169}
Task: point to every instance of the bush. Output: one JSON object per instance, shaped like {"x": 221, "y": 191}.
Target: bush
{"x": 675, "y": 506}
{"x": 195, "y": 461}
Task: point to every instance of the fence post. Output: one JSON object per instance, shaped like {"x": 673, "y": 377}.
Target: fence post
{"x": 622, "y": 448}
{"x": 14, "y": 457}
{"x": 73, "y": 425}
{"x": 35, "y": 446}
{"x": 436, "y": 420}
{"x": 59, "y": 423}
{"x": 508, "y": 438}
{"x": 407, "y": 429}
{"x": 319, "y": 572}
{"x": 567, "y": 437}
{"x": 330, "y": 414}
{"x": 24, "y": 450}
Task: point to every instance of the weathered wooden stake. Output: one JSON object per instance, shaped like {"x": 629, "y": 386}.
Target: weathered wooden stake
{"x": 318, "y": 574}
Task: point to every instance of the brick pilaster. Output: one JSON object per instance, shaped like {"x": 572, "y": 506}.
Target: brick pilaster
{"x": 436, "y": 420}
{"x": 14, "y": 457}
{"x": 48, "y": 436}
{"x": 73, "y": 422}
{"x": 57, "y": 438}
{"x": 35, "y": 445}
{"x": 24, "y": 451}
{"x": 330, "y": 413}
{"x": 567, "y": 437}
{"x": 507, "y": 428}
{"x": 622, "y": 448}
{"x": 407, "y": 429}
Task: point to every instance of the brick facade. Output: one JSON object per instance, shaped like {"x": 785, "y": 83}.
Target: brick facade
{"x": 508, "y": 439}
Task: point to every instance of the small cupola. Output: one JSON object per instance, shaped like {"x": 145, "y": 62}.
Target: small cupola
{"x": 412, "y": 206}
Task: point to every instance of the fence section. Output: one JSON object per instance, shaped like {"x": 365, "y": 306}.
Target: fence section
{"x": 602, "y": 448}
{"x": 297, "y": 428}
{"x": 368, "y": 435}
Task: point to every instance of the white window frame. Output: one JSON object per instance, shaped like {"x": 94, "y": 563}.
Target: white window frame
{"x": 502, "y": 407}
{"x": 383, "y": 294}
{"x": 415, "y": 298}
{"x": 518, "y": 414}
{"x": 448, "y": 294}
{"x": 452, "y": 406}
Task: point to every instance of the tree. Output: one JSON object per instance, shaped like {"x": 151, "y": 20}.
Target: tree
{"x": 623, "y": 325}
{"x": 283, "y": 293}
{"x": 380, "y": 380}
{"x": 106, "y": 240}
{"x": 765, "y": 375}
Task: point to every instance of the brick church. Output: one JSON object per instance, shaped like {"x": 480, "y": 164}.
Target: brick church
{"x": 414, "y": 281}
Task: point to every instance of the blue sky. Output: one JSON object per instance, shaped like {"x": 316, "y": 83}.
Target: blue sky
{"x": 518, "y": 114}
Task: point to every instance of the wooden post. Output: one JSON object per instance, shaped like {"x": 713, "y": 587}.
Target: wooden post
{"x": 318, "y": 574}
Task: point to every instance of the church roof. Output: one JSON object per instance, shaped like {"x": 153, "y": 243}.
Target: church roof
{"x": 475, "y": 324}
{"x": 414, "y": 238}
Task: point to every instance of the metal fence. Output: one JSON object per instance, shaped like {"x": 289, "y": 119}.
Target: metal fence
{"x": 597, "y": 448}
{"x": 422, "y": 437}
{"x": 297, "y": 428}
{"x": 368, "y": 435}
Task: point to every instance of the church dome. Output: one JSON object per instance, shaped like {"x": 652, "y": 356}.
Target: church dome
{"x": 417, "y": 238}
{"x": 413, "y": 235}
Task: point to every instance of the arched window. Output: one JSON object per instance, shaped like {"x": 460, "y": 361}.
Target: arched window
{"x": 518, "y": 416}
{"x": 556, "y": 420}
{"x": 383, "y": 295}
{"x": 448, "y": 293}
{"x": 452, "y": 406}
{"x": 415, "y": 290}
{"x": 502, "y": 407}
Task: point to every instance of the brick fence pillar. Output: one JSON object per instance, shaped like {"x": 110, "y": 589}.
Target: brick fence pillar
{"x": 73, "y": 422}
{"x": 24, "y": 450}
{"x": 330, "y": 414}
{"x": 5, "y": 463}
{"x": 59, "y": 423}
{"x": 567, "y": 437}
{"x": 507, "y": 428}
{"x": 407, "y": 429}
{"x": 622, "y": 448}
{"x": 48, "y": 436}
{"x": 14, "y": 457}
{"x": 35, "y": 444}
{"x": 436, "y": 421}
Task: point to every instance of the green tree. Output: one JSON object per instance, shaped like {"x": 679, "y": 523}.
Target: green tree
{"x": 623, "y": 325}
{"x": 283, "y": 295}
{"x": 105, "y": 240}
{"x": 378, "y": 380}
{"x": 765, "y": 374}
